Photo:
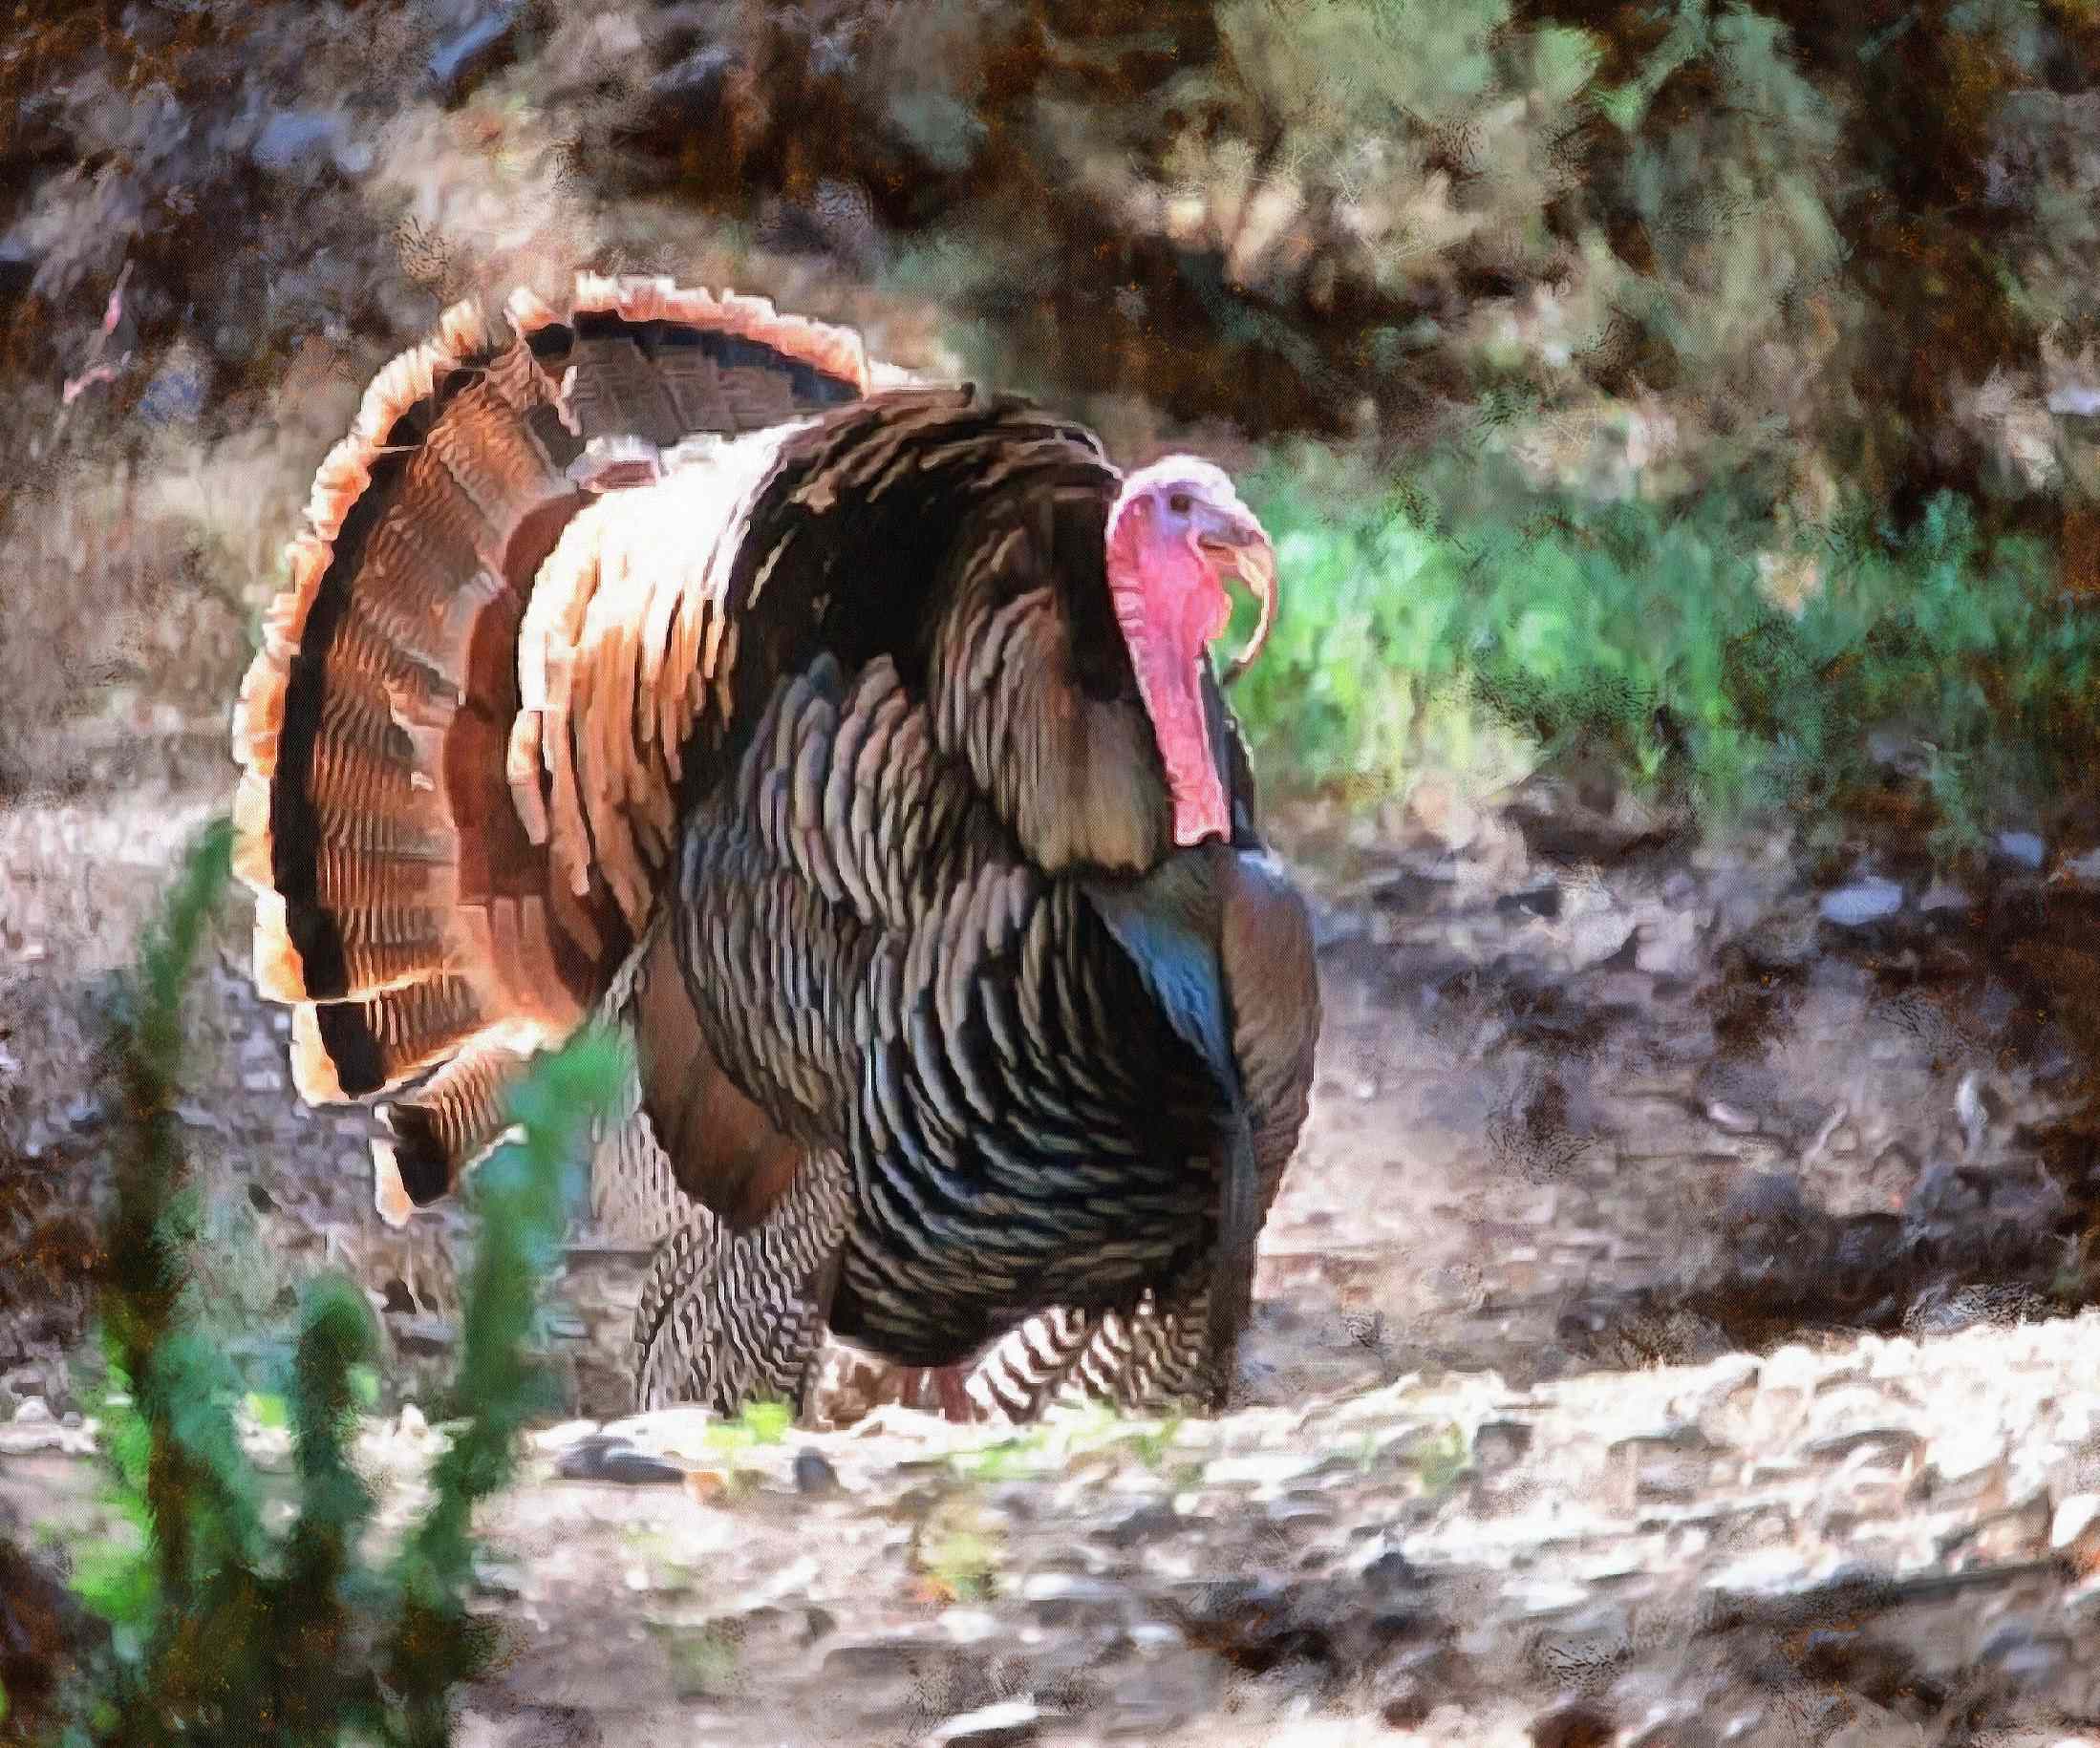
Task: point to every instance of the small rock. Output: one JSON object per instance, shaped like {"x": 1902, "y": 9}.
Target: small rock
{"x": 1976, "y": 1107}
{"x": 1598, "y": 937}
{"x": 607, "y": 1460}
{"x": 2018, "y": 1532}
{"x": 2022, "y": 850}
{"x": 2080, "y": 870}
{"x": 1667, "y": 946}
{"x": 468, "y": 55}
{"x": 1542, "y": 902}
{"x": 1901, "y": 753}
{"x": 814, "y": 1473}
{"x": 31, "y": 1408}
{"x": 1162, "y": 1692}
{"x": 1683, "y": 1730}
{"x": 1942, "y": 896}
{"x": 1388, "y": 1574}
{"x": 968, "y": 1625}
{"x": 424, "y": 1335}
{"x": 176, "y": 395}
{"x": 2074, "y": 1531}
{"x": 994, "y": 1726}
{"x": 1147, "y": 1524}
{"x": 553, "y": 1438}
{"x": 2027, "y": 1658}
{"x": 1442, "y": 811}
{"x": 1497, "y": 1444}
{"x": 1069, "y": 1587}
{"x": 20, "y": 1439}
{"x": 1367, "y": 1329}
{"x": 1578, "y": 1723}
{"x": 1260, "y": 1469}
{"x": 1676, "y": 1464}
{"x": 1764, "y": 1196}
{"x": 1733, "y": 1119}
{"x": 1404, "y": 1702}
{"x": 1863, "y": 902}
{"x": 1895, "y": 1169}
{"x": 1887, "y": 1447}
{"x": 296, "y": 139}
{"x": 707, "y": 1486}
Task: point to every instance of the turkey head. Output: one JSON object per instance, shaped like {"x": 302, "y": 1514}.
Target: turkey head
{"x": 1176, "y": 531}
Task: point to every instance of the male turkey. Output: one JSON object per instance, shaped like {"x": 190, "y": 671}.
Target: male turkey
{"x": 859, "y": 751}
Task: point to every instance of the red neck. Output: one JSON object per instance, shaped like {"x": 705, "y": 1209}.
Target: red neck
{"x": 1170, "y": 606}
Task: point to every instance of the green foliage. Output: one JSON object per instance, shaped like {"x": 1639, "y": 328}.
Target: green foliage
{"x": 964, "y": 1563}
{"x": 1439, "y": 1459}
{"x": 703, "y": 1663}
{"x": 1662, "y": 637}
{"x": 1070, "y": 1434}
{"x": 223, "y": 1630}
{"x": 1494, "y": 212}
{"x": 762, "y": 1422}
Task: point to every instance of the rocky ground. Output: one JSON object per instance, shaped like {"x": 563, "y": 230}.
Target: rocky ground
{"x": 1658, "y": 1339}
{"x": 1890, "y": 1541}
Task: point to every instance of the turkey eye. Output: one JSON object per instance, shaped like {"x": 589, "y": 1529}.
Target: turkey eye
{"x": 1179, "y": 504}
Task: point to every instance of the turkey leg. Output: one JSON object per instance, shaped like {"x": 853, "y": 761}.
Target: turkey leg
{"x": 948, "y": 1391}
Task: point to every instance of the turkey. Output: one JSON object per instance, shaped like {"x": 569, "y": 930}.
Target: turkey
{"x": 857, "y": 749}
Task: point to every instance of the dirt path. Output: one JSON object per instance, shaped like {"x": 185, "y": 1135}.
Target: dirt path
{"x": 1586, "y": 1103}
{"x": 1568, "y": 1115}
{"x": 1895, "y": 1542}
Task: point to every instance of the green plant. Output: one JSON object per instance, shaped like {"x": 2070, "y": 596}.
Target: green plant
{"x": 703, "y": 1663}
{"x": 963, "y": 1563}
{"x": 1010, "y": 1458}
{"x": 220, "y": 1630}
{"x": 756, "y": 1424}
{"x": 1439, "y": 1461}
{"x": 1473, "y": 619}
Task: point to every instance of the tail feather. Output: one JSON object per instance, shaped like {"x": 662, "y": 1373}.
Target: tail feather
{"x": 459, "y": 782}
{"x": 347, "y": 1049}
{"x": 455, "y": 1115}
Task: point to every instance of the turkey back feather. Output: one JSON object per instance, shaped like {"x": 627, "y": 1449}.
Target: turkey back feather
{"x": 393, "y": 818}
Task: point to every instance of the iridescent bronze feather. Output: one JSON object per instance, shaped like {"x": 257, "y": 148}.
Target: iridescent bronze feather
{"x": 650, "y": 662}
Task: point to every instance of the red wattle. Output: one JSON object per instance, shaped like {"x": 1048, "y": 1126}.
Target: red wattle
{"x": 1167, "y": 649}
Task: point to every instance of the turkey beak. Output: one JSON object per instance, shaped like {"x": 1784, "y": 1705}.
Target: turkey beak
{"x": 1241, "y": 546}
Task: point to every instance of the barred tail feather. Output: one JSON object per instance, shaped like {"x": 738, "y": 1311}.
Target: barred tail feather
{"x": 421, "y": 900}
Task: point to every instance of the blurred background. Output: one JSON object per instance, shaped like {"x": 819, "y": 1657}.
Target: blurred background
{"x": 1679, "y": 425}
{"x": 1708, "y": 385}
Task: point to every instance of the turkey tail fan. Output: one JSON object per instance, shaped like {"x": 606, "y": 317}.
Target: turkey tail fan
{"x": 429, "y": 890}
